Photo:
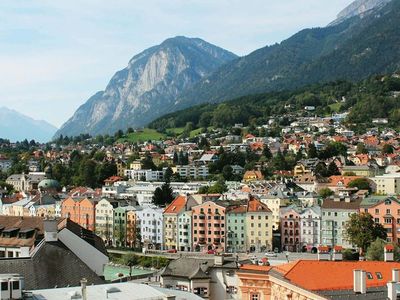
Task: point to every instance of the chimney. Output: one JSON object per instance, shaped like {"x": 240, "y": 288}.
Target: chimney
{"x": 50, "y": 230}
{"x": 388, "y": 253}
{"x": 360, "y": 284}
{"x": 83, "y": 286}
{"x": 323, "y": 253}
{"x": 337, "y": 253}
{"x": 395, "y": 275}
{"x": 392, "y": 292}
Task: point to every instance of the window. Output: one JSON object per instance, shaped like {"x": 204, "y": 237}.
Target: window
{"x": 369, "y": 275}
{"x": 379, "y": 275}
{"x": 15, "y": 285}
{"x": 376, "y": 210}
{"x": 255, "y": 296}
{"x": 4, "y": 286}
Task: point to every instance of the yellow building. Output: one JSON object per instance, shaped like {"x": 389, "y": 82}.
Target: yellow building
{"x": 259, "y": 223}
{"x": 252, "y": 176}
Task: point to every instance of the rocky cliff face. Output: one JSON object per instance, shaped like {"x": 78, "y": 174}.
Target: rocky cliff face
{"x": 151, "y": 82}
{"x": 358, "y": 8}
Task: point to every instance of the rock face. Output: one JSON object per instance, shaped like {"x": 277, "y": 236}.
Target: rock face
{"x": 358, "y": 8}
{"x": 17, "y": 127}
{"x": 151, "y": 82}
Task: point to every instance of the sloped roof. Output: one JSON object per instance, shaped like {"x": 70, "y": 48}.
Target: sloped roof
{"x": 176, "y": 205}
{"x": 255, "y": 205}
{"x": 52, "y": 265}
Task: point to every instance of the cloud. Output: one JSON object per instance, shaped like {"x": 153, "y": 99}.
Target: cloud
{"x": 56, "y": 54}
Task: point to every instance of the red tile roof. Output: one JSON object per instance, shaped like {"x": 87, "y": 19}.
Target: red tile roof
{"x": 255, "y": 205}
{"x": 331, "y": 275}
{"x": 176, "y": 205}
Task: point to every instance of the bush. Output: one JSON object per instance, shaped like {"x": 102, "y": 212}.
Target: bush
{"x": 349, "y": 254}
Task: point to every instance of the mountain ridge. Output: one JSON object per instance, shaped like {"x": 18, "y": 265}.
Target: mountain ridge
{"x": 152, "y": 80}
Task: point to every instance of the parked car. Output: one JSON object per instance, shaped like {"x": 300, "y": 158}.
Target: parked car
{"x": 172, "y": 251}
{"x": 270, "y": 254}
{"x": 211, "y": 252}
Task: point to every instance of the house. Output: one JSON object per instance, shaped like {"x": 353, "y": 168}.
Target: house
{"x": 26, "y": 182}
{"x": 319, "y": 280}
{"x": 335, "y": 213}
{"x": 290, "y": 228}
{"x": 80, "y": 210}
{"x": 171, "y": 225}
{"x": 306, "y": 166}
{"x": 387, "y": 184}
{"x": 60, "y": 252}
{"x": 150, "y": 221}
{"x": 105, "y": 220}
{"x": 208, "y": 231}
{"x": 386, "y": 211}
{"x": 209, "y": 278}
{"x": 252, "y": 176}
{"x": 310, "y": 228}
{"x": 192, "y": 171}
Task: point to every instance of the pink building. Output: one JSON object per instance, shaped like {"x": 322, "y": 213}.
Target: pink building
{"x": 208, "y": 230}
{"x": 290, "y": 229}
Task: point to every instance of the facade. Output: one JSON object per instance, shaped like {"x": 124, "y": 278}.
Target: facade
{"x": 310, "y": 228}
{"x": 388, "y": 184}
{"x": 236, "y": 228}
{"x": 335, "y": 213}
{"x": 151, "y": 227}
{"x": 192, "y": 171}
{"x": 120, "y": 221}
{"x": 171, "y": 225}
{"x": 208, "y": 230}
{"x": 144, "y": 175}
{"x": 132, "y": 228}
{"x": 185, "y": 231}
{"x": 105, "y": 220}
{"x": 290, "y": 229}
{"x": 25, "y": 182}
{"x": 258, "y": 226}
{"x": 385, "y": 211}
{"x": 80, "y": 211}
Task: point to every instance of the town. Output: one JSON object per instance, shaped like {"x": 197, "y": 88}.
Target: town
{"x": 236, "y": 193}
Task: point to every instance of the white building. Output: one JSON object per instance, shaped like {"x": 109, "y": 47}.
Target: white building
{"x": 185, "y": 231}
{"x": 144, "y": 175}
{"x": 151, "y": 226}
{"x": 104, "y": 221}
{"x": 387, "y": 184}
{"x": 191, "y": 171}
{"x": 310, "y": 227}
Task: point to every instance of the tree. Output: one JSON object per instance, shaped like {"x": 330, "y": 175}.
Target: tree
{"x": 361, "y": 149}
{"x": 279, "y": 161}
{"x": 361, "y": 230}
{"x": 163, "y": 195}
{"x": 360, "y": 183}
{"x": 267, "y": 152}
{"x": 227, "y": 172}
{"x": 333, "y": 169}
{"x": 312, "y": 151}
{"x": 168, "y": 174}
{"x": 325, "y": 192}
{"x": 321, "y": 170}
{"x": 387, "y": 149}
{"x": 376, "y": 250}
{"x": 147, "y": 162}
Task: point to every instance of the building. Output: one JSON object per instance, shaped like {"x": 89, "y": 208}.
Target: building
{"x": 80, "y": 211}
{"x": 236, "y": 228}
{"x": 306, "y": 166}
{"x": 387, "y": 184}
{"x": 290, "y": 229}
{"x": 144, "y": 175}
{"x": 386, "y": 211}
{"x": 59, "y": 253}
{"x": 104, "y": 223}
{"x": 171, "y": 225}
{"x": 185, "y": 230}
{"x": 209, "y": 278}
{"x": 192, "y": 171}
{"x": 150, "y": 220}
{"x": 310, "y": 228}
{"x": 120, "y": 291}
{"x": 25, "y": 182}
{"x": 320, "y": 280}
{"x": 250, "y": 176}
{"x": 259, "y": 224}
{"x": 208, "y": 230}
{"x": 132, "y": 229}
{"x": 335, "y": 213}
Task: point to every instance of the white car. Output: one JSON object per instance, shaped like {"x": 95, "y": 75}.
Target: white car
{"x": 270, "y": 254}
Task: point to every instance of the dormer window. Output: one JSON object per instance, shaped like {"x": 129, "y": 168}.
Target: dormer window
{"x": 10, "y": 233}
{"x": 369, "y": 275}
{"x": 378, "y": 275}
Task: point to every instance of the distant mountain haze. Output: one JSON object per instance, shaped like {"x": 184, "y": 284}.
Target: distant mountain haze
{"x": 151, "y": 82}
{"x": 17, "y": 127}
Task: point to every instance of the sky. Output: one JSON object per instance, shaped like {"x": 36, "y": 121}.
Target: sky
{"x": 55, "y": 54}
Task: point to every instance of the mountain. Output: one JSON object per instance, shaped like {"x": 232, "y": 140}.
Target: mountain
{"x": 354, "y": 49}
{"x": 17, "y": 127}
{"x": 151, "y": 82}
{"x": 359, "y": 8}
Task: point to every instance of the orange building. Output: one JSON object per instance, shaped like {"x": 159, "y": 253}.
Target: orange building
{"x": 386, "y": 211}
{"x": 208, "y": 230}
{"x": 80, "y": 211}
{"x": 318, "y": 280}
